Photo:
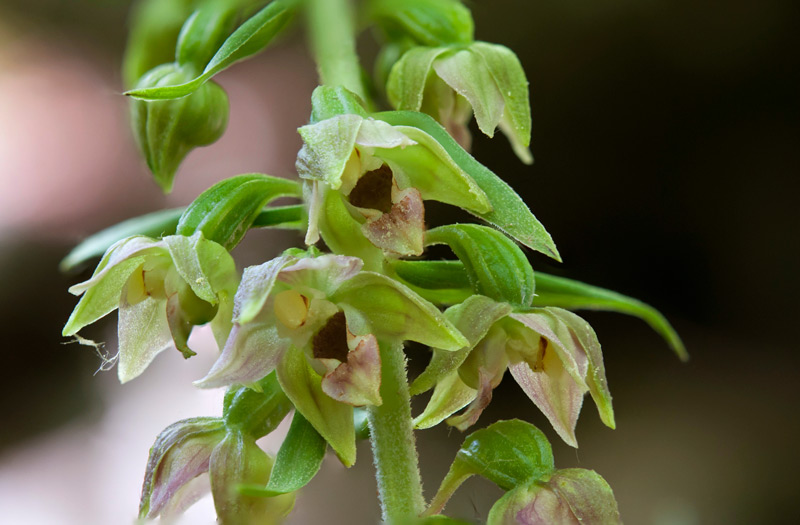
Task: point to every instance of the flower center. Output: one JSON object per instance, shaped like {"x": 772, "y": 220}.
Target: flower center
{"x": 374, "y": 190}
{"x": 331, "y": 341}
{"x": 291, "y": 308}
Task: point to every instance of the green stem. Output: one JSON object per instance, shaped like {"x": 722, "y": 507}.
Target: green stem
{"x": 330, "y": 24}
{"x": 393, "y": 447}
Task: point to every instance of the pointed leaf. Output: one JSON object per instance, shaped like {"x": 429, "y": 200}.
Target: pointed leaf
{"x": 292, "y": 217}
{"x": 156, "y": 224}
{"x": 433, "y": 275}
{"x": 250, "y": 38}
{"x": 395, "y": 312}
{"x": 298, "y": 460}
{"x": 575, "y": 295}
{"x": 332, "y": 419}
{"x": 225, "y": 211}
{"x": 257, "y": 411}
{"x": 508, "y": 453}
{"x": 509, "y": 212}
{"x": 429, "y": 22}
{"x": 495, "y": 265}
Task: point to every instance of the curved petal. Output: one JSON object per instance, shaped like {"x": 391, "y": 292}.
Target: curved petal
{"x": 327, "y": 146}
{"x": 476, "y": 407}
{"x": 255, "y": 287}
{"x": 252, "y": 351}
{"x": 143, "y": 333}
{"x": 357, "y": 381}
{"x": 324, "y": 273}
{"x": 450, "y": 395}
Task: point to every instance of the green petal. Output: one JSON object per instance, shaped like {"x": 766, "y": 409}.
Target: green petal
{"x": 143, "y": 333}
{"x": 473, "y": 318}
{"x": 255, "y": 287}
{"x": 406, "y": 84}
{"x": 205, "y": 265}
{"x": 450, "y": 395}
{"x": 332, "y": 419}
{"x": 508, "y": 75}
{"x": 467, "y": 73}
{"x": 327, "y": 146}
{"x": 428, "y": 167}
{"x": 395, "y": 312}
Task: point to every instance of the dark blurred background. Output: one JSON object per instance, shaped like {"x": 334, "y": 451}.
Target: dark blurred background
{"x": 665, "y": 135}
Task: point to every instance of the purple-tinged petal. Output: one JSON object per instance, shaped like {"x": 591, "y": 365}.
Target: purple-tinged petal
{"x": 255, "y": 287}
{"x": 554, "y": 391}
{"x": 357, "y": 381}
{"x": 252, "y": 351}
{"x": 584, "y": 336}
{"x": 402, "y": 230}
{"x": 475, "y": 409}
{"x": 378, "y": 134}
{"x": 324, "y": 273}
{"x": 180, "y": 453}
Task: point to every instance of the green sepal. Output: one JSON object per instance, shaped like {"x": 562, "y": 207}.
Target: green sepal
{"x": 394, "y": 312}
{"x": 226, "y": 210}
{"x": 154, "y": 224}
{"x": 205, "y": 265}
{"x": 249, "y": 38}
{"x": 496, "y": 267}
{"x": 508, "y": 453}
{"x": 331, "y": 101}
{"x": 298, "y": 460}
{"x": 509, "y": 212}
{"x": 332, "y": 419}
{"x": 428, "y": 22}
{"x": 405, "y": 86}
{"x": 450, "y": 395}
{"x": 257, "y": 410}
{"x": 155, "y": 25}
{"x": 167, "y": 130}
{"x": 575, "y": 295}
{"x": 204, "y": 31}
{"x": 473, "y": 318}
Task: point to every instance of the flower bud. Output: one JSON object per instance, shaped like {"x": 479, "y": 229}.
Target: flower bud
{"x": 167, "y": 130}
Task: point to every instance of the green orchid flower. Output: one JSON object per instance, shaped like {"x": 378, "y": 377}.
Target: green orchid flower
{"x": 162, "y": 289}
{"x": 360, "y": 169}
{"x": 451, "y": 83}
{"x": 320, "y": 321}
{"x": 552, "y": 354}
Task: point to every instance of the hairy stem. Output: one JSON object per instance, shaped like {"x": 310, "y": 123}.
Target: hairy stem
{"x": 330, "y": 24}
{"x": 393, "y": 447}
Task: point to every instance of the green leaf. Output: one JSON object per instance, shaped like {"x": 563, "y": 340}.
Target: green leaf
{"x": 332, "y": 101}
{"x": 154, "y": 224}
{"x": 510, "y": 213}
{"x": 575, "y": 295}
{"x": 204, "y": 31}
{"x": 250, "y": 38}
{"x": 429, "y": 22}
{"x": 508, "y": 453}
{"x": 394, "y": 312}
{"x": 298, "y": 460}
{"x": 496, "y": 267}
{"x": 256, "y": 410}
{"x": 226, "y": 210}
{"x": 332, "y": 419}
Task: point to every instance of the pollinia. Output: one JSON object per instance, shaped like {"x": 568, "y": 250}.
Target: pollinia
{"x": 319, "y": 331}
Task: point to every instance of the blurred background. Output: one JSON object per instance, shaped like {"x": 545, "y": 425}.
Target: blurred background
{"x": 666, "y": 140}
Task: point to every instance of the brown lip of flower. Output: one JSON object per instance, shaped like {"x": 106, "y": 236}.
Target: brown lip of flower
{"x": 374, "y": 190}
{"x": 331, "y": 341}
